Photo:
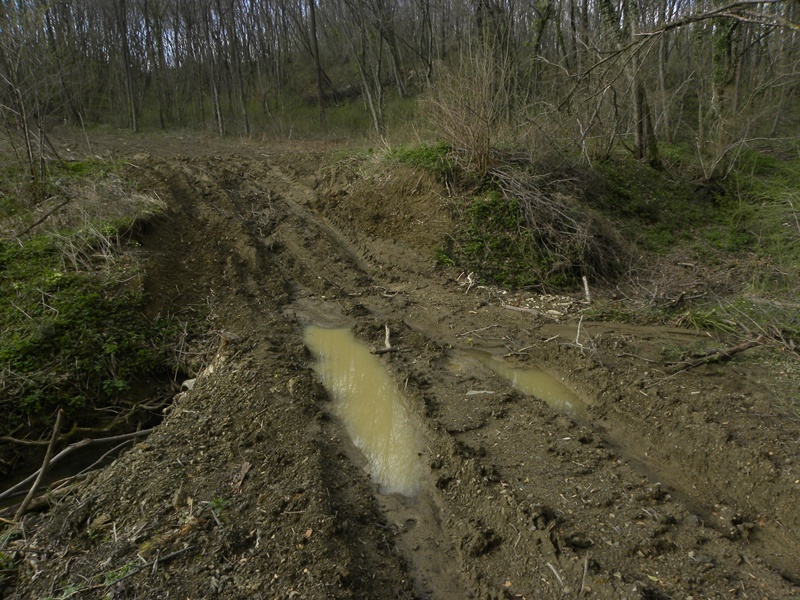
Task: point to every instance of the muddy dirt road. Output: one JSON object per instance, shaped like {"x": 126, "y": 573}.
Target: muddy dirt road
{"x": 661, "y": 486}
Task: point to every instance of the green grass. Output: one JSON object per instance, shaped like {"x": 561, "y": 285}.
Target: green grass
{"x": 79, "y": 169}
{"x": 72, "y": 327}
{"x": 746, "y": 213}
{"x": 767, "y": 186}
{"x": 655, "y": 208}
{"x": 431, "y": 157}
{"x": 75, "y": 339}
{"x": 751, "y": 218}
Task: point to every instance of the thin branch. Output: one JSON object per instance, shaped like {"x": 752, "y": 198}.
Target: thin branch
{"x": 715, "y": 356}
{"x": 43, "y": 218}
{"x": 69, "y": 450}
{"x": 728, "y": 11}
{"x": 45, "y": 465}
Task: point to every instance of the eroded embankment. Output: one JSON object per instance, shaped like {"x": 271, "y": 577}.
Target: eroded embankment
{"x": 252, "y": 488}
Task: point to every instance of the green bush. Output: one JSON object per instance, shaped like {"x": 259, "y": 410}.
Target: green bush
{"x": 492, "y": 242}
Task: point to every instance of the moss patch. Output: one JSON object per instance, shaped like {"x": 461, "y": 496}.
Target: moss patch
{"x": 432, "y": 157}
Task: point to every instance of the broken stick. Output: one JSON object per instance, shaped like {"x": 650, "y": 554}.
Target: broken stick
{"x": 715, "y": 356}
{"x": 387, "y": 346}
{"x": 45, "y": 464}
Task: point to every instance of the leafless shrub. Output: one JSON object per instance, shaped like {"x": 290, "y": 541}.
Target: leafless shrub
{"x": 468, "y": 106}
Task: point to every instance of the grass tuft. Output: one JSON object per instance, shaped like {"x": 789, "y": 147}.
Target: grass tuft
{"x": 431, "y": 157}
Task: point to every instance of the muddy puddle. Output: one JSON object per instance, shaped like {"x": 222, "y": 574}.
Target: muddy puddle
{"x": 373, "y": 410}
{"x": 528, "y": 380}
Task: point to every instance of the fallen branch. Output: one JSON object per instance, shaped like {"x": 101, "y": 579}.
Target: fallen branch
{"x": 69, "y": 450}
{"x": 590, "y": 343}
{"x": 521, "y": 309}
{"x": 387, "y": 346}
{"x": 59, "y": 486}
{"x": 518, "y": 352}
{"x": 44, "y": 217}
{"x": 621, "y": 354}
{"x": 578, "y": 334}
{"x": 529, "y": 310}
{"x": 84, "y": 430}
{"x": 12, "y": 440}
{"x": 715, "y": 356}
{"x": 473, "y": 331}
{"x": 48, "y": 498}
{"x": 45, "y": 465}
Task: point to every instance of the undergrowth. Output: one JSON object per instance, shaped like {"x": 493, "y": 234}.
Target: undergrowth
{"x": 749, "y": 218}
{"x": 656, "y": 209}
{"x": 492, "y": 242}
{"x": 760, "y": 222}
{"x": 72, "y": 327}
{"x": 524, "y": 230}
{"x": 749, "y": 221}
{"x": 72, "y": 339}
{"x": 767, "y": 187}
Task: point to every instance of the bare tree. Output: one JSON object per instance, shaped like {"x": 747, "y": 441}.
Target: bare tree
{"x": 596, "y": 75}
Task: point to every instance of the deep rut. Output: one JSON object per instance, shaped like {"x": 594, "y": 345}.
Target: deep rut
{"x": 484, "y": 499}
{"x": 253, "y": 473}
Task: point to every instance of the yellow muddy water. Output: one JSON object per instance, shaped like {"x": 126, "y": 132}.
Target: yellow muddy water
{"x": 536, "y": 382}
{"x": 373, "y": 410}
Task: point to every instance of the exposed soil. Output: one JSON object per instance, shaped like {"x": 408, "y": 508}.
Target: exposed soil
{"x": 668, "y": 486}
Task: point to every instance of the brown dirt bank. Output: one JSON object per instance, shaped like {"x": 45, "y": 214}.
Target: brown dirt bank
{"x": 665, "y": 487}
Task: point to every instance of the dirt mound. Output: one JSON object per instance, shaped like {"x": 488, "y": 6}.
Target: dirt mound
{"x": 666, "y": 486}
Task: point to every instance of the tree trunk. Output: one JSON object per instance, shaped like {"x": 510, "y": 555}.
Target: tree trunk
{"x": 127, "y": 66}
{"x": 645, "y": 145}
{"x": 236, "y": 67}
{"x": 312, "y": 18}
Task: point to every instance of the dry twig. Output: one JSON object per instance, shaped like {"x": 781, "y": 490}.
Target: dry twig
{"x": 45, "y": 465}
{"x": 565, "y": 234}
{"x": 715, "y": 356}
{"x": 44, "y": 217}
{"x": 69, "y": 450}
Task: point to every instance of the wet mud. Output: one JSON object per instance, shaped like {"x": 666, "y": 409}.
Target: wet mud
{"x": 639, "y": 485}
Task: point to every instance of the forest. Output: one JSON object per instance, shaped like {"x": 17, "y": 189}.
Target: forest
{"x": 579, "y": 77}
